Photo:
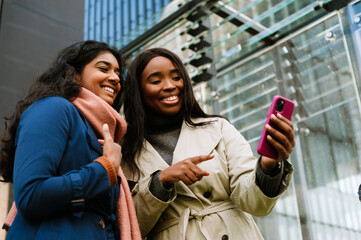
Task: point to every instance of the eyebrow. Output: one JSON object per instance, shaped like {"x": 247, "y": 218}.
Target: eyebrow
{"x": 174, "y": 71}
{"x": 158, "y": 73}
{"x": 153, "y": 74}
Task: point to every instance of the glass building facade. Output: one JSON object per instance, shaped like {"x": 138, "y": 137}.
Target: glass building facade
{"x": 119, "y": 21}
{"x": 240, "y": 53}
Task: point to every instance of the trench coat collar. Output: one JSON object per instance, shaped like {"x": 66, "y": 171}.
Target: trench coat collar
{"x": 195, "y": 141}
{"x": 192, "y": 141}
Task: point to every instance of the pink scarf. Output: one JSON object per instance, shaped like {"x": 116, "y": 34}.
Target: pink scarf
{"x": 98, "y": 112}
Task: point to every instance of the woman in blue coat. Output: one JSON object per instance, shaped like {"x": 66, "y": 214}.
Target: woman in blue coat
{"x": 65, "y": 182}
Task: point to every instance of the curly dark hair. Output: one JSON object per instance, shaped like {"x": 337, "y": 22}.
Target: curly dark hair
{"x": 134, "y": 109}
{"x": 57, "y": 80}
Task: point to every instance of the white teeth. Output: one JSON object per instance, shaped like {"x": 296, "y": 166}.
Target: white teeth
{"x": 108, "y": 89}
{"x": 171, "y": 98}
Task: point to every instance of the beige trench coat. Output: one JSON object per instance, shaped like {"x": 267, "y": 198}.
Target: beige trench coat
{"x": 217, "y": 207}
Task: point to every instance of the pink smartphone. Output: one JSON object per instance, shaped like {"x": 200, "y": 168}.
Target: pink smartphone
{"x": 280, "y": 105}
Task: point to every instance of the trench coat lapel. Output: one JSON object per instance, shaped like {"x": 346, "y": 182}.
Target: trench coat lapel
{"x": 194, "y": 141}
{"x": 150, "y": 160}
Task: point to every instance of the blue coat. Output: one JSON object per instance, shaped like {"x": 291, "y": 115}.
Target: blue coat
{"x": 55, "y": 149}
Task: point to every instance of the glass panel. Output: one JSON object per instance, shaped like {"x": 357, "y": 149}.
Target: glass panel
{"x": 157, "y": 15}
{"x": 230, "y": 42}
{"x": 97, "y": 24}
{"x": 104, "y": 21}
{"x": 91, "y": 19}
{"x": 313, "y": 69}
{"x": 111, "y": 22}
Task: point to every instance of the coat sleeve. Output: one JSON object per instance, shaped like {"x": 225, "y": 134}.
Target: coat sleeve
{"x": 245, "y": 193}
{"x": 42, "y": 137}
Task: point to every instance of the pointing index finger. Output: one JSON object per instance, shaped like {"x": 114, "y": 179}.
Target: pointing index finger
{"x": 202, "y": 158}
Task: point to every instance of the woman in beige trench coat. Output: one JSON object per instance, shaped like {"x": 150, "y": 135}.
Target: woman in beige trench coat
{"x": 194, "y": 175}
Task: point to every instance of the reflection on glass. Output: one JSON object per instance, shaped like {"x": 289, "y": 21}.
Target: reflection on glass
{"x": 311, "y": 68}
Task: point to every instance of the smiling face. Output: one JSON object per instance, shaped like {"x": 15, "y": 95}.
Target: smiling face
{"x": 162, "y": 86}
{"x": 101, "y": 77}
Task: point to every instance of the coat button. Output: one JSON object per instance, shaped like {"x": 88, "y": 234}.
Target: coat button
{"x": 207, "y": 194}
{"x": 101, "y": 224}
{"x": 225, "y": 237}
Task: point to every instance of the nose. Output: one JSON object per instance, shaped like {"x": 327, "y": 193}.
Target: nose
{"x": 114, "y": 78}
{"x": 169, "y": 85}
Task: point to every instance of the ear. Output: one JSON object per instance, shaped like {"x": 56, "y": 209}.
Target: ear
{"x": 77, "y": 76}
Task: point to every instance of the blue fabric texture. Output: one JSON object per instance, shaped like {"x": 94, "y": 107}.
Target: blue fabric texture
{"x": 55, "y": 150}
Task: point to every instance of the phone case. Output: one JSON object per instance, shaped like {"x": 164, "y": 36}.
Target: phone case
{"x": 264, "y": 147}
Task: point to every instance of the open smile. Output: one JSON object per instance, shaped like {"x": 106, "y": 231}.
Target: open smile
{"x": 109, "y": 89}
{"x": 170, "y": 100}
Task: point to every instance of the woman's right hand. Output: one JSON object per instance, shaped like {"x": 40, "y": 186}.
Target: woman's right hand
{"x": 186, "y": 171}
{"x": 111, "y": 150}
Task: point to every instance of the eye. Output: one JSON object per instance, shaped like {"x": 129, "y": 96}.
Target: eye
{"x": 103, "y": 69}
{"x": 177, "y": 78}
{"x": 154, "y": 82}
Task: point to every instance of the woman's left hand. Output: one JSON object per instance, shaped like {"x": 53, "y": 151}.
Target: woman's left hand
{"x": 283, "y": 141}
{"x": 111, "y": 150}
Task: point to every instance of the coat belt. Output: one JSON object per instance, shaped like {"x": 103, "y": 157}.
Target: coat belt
{"x": 190, "y": 214}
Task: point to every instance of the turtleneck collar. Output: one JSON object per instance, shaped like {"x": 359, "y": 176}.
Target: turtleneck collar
{"x": 156, "y": 123}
